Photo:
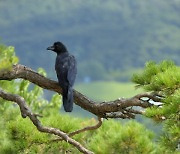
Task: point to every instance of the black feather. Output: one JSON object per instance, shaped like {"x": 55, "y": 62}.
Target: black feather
{"x": 66, "y": 70}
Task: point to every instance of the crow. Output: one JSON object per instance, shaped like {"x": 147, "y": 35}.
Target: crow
{"x": 66, "y": 70}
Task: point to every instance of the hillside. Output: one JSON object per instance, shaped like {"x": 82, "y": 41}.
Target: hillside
{"x": 109, "y": 38}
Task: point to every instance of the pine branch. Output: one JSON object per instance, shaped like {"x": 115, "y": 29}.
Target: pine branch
{"x": 26, "y": 112}
{"x": 96, "y": 126}
{"x": 100, "y": 120}
{"x": 102, "y": 109}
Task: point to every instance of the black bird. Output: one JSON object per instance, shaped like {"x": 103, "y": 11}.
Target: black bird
{"x": 66, "y": 70}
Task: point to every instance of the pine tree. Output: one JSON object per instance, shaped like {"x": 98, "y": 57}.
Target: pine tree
{"x": 164, "y": 79}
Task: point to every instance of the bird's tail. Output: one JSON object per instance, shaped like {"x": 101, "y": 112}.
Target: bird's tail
{"x": 68, "y": 99}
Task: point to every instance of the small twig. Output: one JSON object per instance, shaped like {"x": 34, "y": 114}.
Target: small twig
{"x": 100, "y": 120}
{"x": 130, "y": 115}
{"x": 152, "y": 96}
{"x": 117, "y": 115}
{"x": 134, "y": 111}
{"x": 96, "y": 126}
{"x": 38, "y": 115}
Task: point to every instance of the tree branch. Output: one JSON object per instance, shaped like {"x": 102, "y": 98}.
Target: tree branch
{"x": 100, "y": 120}
{"x": 96, "y": 126}
{"x": 25, "y": 111}
{"x": 102, "y": 109}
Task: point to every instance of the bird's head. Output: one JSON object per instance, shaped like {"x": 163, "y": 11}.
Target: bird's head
{"x": 58, "y": 47}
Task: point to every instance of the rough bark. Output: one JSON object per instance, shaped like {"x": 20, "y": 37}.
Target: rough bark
{"x": 119, "y": 108}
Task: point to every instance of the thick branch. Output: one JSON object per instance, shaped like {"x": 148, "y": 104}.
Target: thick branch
{"x": 25, "y": 111}
{"x": 100, "y": 109}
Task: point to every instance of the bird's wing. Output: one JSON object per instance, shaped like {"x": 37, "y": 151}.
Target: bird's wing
{"x": 72, "y": 70}
{"x": 61, "y": 68}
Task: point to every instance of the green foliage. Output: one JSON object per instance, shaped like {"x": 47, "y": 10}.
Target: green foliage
{"x": 165, "y": 79}
{"x": 24, "y": 141}
{"x": 112, "y": 137}
{"x": 117, "y": 138}
{"x": 7, "y": 57}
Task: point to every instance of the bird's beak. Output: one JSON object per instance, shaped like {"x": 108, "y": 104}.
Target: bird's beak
{"x": 51, "y": 48}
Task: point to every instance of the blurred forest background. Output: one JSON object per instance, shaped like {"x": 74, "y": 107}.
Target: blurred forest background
{"x": 111, "y": 39}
